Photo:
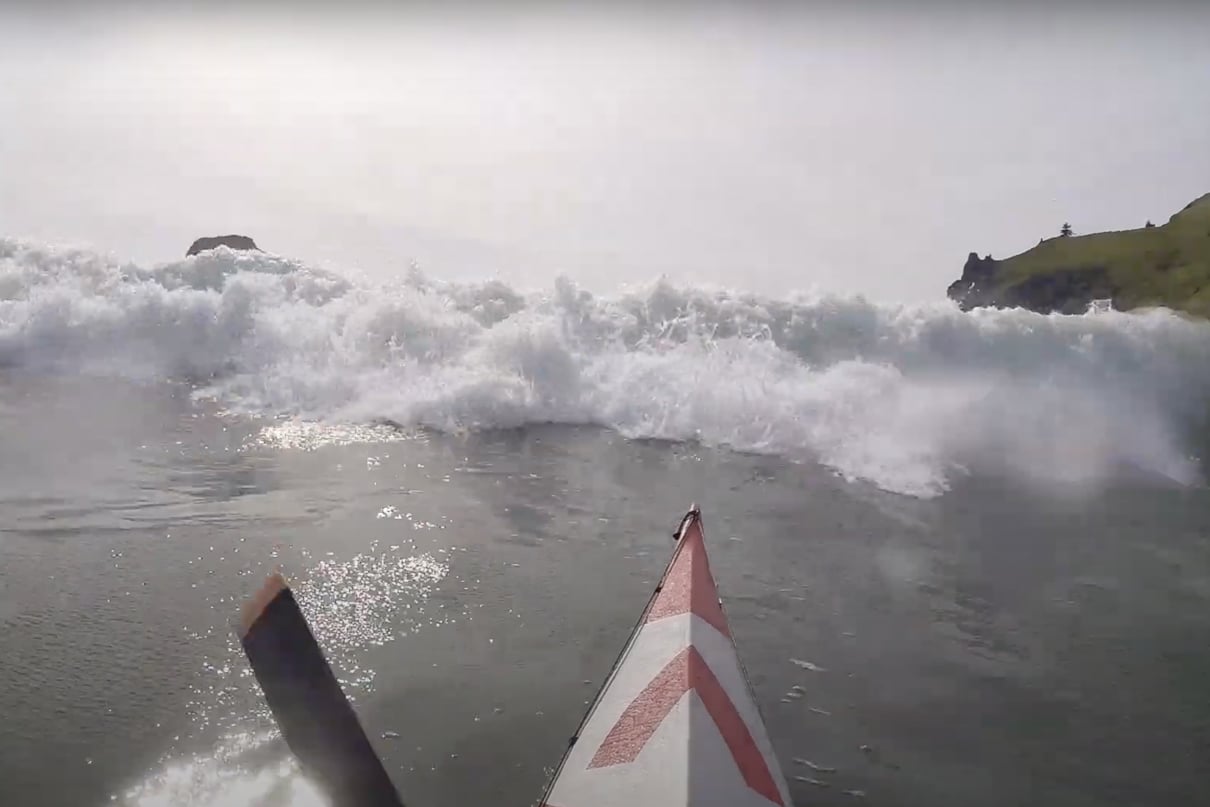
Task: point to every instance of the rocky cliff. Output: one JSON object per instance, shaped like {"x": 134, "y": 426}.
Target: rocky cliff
{"x": 1168, "y": 265}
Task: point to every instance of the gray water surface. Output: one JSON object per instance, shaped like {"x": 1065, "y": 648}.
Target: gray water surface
{"x": 992, "y": 646}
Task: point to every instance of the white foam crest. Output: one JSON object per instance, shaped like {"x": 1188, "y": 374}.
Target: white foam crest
{"x": 905, "y": 397}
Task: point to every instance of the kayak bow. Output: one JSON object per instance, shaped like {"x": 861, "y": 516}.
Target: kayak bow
{"x": 676, "y": 722}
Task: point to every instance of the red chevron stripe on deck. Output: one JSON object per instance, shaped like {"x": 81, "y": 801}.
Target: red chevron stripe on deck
{"x": 687, "y": 671}
{"x": 689, "y": 586}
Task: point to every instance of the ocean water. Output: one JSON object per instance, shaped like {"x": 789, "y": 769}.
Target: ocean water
{"x": 979, "y": 542}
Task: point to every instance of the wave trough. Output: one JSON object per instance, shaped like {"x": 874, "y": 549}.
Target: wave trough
{"x": 905, "y": 397}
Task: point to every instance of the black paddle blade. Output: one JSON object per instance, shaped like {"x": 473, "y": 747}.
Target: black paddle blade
{"x": 315, "y": 718}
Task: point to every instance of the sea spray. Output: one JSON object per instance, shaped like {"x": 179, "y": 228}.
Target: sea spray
{"x": 905, "y": 397}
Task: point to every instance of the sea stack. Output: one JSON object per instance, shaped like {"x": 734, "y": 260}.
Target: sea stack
{"x": 212, "y": 241}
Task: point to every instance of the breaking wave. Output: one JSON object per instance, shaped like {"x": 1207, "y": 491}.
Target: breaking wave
{"x": 903, "y": 396}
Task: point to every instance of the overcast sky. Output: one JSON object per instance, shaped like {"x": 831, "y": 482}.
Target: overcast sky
{"x": 747, "y": 146}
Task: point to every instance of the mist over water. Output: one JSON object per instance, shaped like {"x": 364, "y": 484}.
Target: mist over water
{"x": 768, "y": 147}
{"x": 906, "y": 397}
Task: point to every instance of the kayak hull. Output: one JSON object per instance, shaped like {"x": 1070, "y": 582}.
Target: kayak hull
{"x": 676, "y": 722}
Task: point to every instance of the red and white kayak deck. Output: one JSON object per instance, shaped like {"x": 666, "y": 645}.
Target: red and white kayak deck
{"x": 676, "y": 722}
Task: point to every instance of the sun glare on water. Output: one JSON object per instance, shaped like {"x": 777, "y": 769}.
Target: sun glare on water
{"x": 367, "y": 600}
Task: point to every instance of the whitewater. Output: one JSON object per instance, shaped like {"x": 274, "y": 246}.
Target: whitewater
{"x": 904, "y": 397}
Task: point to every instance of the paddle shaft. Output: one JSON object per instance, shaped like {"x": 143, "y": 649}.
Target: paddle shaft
{"x": 316, "y": 719}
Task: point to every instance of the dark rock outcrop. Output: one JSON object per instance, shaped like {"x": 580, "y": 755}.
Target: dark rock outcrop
{"x": 232, "y": 241}
{"x": 1067, "y": 291}
{"x": 976, "y": 287}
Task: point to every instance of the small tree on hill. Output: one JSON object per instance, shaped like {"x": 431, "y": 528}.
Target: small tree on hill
{"x": 1065, "y": 230}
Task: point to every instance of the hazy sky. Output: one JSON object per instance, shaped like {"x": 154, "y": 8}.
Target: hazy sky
{"x": 746, "y": 145}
